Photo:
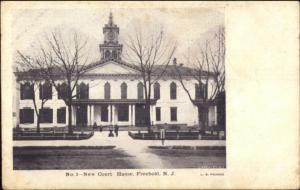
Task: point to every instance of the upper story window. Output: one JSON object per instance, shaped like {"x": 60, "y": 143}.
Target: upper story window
{"x": 173, "y": 91}
{"x": 83, "y": 91}
{"x": 140, "y": 93}
{"x": 27, "y": 91}
{"x": 123, "y": 90}
{"x": 62, "y": 91}
{"x": 107, "y": 90}
{"x": 45, "y": 91}
{"x": 156, "y": 91}
{"x": 200, "y": 91}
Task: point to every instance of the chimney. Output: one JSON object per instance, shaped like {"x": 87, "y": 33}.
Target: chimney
{"x": 174, "y": 61}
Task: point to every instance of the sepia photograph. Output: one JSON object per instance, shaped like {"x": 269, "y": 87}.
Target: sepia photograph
{"x": 149, "y": 95}
{"x": 119, "y": 89}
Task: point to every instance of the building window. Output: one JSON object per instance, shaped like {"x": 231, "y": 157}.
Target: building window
{"x": 83, "y": 91}
{"x": 61, "y": 115}
{"x": 156, "y": 91}
{"x": 123, "y": 90}
{"x": 157, "y": 111}
{"x": 107, "y": 54}
{"x": 123, "y": 113}
{"x": 46, "y": 115}
{"x": 27, "y": 91}
{"x": 200, "y": 92}
{"x": 173, "y": 114}
{"x": 173, "y": 92}
{"x": 104, "y": 113}
{"x": 26, "y": 115}
{"x": 107, "y": 90}
{"x": 62, "y": 91}
{"x": 115, "y": 54}
{"x": 140, "y": 93}
{"x": 45, "y": 91}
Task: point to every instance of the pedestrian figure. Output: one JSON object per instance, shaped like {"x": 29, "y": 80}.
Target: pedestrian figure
{"x": 111, "y": 132}
{"x": 95, "y": 126}
{"x": 100, "y": 128}
{"x": 116, "y": 130}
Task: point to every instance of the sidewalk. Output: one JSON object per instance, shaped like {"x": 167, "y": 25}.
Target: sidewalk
{"x": 102, "y": 139}
{"x": 141, "y": 156}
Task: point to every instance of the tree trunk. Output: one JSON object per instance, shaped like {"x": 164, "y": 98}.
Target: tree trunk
{"x": 148, "y": 118}
{"x": 202, "y": 118}
{"x": 38, "y": 130}
{"x": 70, "y": 129}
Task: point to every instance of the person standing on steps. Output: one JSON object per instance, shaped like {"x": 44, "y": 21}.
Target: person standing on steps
{"x": 116, "y": 130}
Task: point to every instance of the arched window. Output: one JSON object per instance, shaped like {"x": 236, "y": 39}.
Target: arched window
{"x": 123, "y": 90}
{"x": 173, "y": 92}
{"x": 107, "y": 90}
{"x": 201, "y": 91}
{"x": 197, "y": 92}
{"x": 27, "y": 91}
{"x": 83, "y": 91}
{"x": 62, "y": 91}
{"x": 156, "y": 90}
{"x": 107, "y": 54}
{"x": 140, "y": 93}
{"x": 45, "y": 91}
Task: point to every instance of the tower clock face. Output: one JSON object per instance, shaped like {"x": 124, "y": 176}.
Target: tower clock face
{"x": 111, "y": 36}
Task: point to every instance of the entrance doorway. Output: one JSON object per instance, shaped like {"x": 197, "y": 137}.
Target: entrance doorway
{"x": 140, "y": 115}
{"x": 81, "y": 115}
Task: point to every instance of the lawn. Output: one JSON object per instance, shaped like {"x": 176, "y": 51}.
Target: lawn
{"x": 45, "y": 159}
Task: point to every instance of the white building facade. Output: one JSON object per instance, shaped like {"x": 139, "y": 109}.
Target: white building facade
{"x": 113, "y": 95}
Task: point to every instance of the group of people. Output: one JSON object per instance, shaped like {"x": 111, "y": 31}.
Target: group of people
{"x": 114, "y": 128}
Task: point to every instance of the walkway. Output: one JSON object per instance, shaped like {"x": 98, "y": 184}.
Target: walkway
{"x": 138, "y": 149}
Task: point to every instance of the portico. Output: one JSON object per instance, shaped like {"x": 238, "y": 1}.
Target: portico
{"x": 104, "y": 112}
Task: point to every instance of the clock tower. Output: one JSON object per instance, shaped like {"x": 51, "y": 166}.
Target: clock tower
{"x": 111, "y": 49}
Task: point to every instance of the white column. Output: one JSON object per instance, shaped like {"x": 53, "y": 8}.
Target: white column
{"x": 113, "y": 115}
{"x": 129, "y": 115}
{"x": 54, "y": 121}
{"x": 151, "y": 115}
{"x": 216, "y": 115}
{"x": 67, "y": 115}
{"x": 109, "y": 114}
{"x": 88, "y": 114}
{"x": 92, "y": 114}
{"x": 73, "y": 115}
{"x": 116, "y": 115}
{"x": 133, "y": 114}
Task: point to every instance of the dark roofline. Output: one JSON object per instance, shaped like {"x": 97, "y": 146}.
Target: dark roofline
{"x": 21, "y": 75}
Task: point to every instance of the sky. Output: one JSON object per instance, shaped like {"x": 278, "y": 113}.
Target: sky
{"x": 187, "y": 26}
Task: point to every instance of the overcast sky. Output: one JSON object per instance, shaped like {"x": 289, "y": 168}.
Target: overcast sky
{"x": 187, "y": 26}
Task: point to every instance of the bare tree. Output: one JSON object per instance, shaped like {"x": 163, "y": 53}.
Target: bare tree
{"x": 151, "y": 52}
{"x": 27, "y": 68}
{"x": 63, "y": 61}
{"x": 209, "y": 62}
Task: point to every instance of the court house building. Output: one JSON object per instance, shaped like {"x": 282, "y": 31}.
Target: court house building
{"x": 111, "y": 93}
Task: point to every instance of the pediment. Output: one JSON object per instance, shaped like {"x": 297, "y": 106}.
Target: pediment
{"x": 111, "y": 67}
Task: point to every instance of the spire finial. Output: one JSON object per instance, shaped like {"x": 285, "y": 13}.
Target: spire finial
{"x": 110, "y": 18}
